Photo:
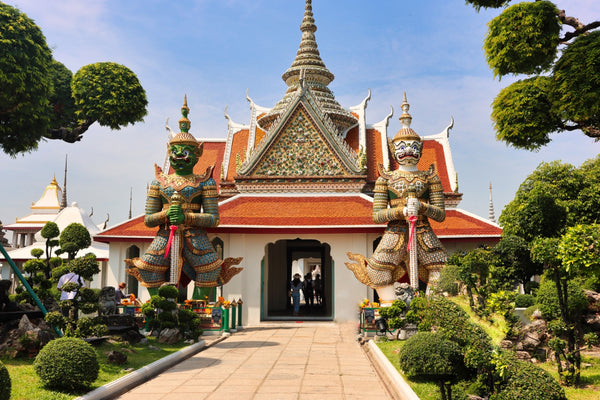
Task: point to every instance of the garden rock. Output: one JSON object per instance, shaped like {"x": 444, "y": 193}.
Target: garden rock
{"x": 523, "y": 355}
{"x": 116, "y": 357}
{"x": 531, "y": 340}
{"x": 593, "y": 321}
{"x": 169, "y": 336}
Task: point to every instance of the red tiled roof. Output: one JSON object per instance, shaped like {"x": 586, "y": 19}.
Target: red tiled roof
{"x": 433, "y": 153}
{"x": 374, "y": 154}
{"x": 352, "y": 139}
{"x": 352, "y": 213}
{"x": 459, "y": 223}
{"x": 287, "y": 211}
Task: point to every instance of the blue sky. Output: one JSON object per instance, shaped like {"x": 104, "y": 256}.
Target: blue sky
{"x": 215, "y": 50}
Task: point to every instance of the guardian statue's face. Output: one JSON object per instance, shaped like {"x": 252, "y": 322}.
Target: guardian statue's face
{"x": 183, "y": 157}
{"x": 407, "y": 152}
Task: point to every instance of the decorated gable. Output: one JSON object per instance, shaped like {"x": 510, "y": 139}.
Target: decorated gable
{"x": 300, "y": 150}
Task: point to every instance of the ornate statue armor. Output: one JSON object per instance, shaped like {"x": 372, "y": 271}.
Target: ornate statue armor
{"x": 182, "y": 205}
{"x": 392, "y": 204}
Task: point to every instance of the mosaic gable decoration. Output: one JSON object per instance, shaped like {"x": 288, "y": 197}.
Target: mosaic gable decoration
{"x": 300, "y": 151}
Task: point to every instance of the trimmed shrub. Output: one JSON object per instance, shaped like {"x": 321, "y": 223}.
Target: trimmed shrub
{"x": 430, "y": 357}
{"x": 5, "y": 384}
{"x": 449, "y": 280}
{"x": 547, "y": 298}
{"x": 428, "y": 354}
{"x": 168, "y": 292}
{"x": 67, "y": 363}
{"x": 524, "y": 300}
{"x": 524, "y": 380}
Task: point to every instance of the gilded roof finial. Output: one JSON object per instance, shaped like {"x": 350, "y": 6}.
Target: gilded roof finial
{"x": 185, "y": 123}
{"x": 184, "y": 137}
{"x": 308, "y": 56}
{"x": 406, "y": 132}
{"x": 405, "y": 118}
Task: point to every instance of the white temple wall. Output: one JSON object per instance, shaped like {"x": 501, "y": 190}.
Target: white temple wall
{"x": 347, "y": 291}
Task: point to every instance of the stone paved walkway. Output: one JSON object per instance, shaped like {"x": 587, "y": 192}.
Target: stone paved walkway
{"x": 277, "y": 362}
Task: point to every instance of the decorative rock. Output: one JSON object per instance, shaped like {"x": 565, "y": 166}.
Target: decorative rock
{"x": 506, "y": 344}
{"x": 169, "y": 336}
{"x": 593, "y": 320}
{"x": 25, "y": 324}
{"x": 116, "y": 357}
{"x": 531, "y": 340}
{"x": 523, "y": 355}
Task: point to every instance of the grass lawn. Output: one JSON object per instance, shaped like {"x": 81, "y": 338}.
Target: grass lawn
{"x": 590, "y": 371}
{"x": 27, "y": 386}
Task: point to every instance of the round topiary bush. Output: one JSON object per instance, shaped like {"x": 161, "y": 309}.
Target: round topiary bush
{"x": 527, "y": 381}
{"x": 67, "y": 363}
{"x": 524, "y": 300}
{"x": 428, "y": 356}
{"x": 5, "y": 384}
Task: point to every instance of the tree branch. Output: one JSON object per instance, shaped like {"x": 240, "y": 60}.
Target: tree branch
{"x": 580, "y": 27}
{"x": 69, "y": 135}
{"x": 588, "y": 130}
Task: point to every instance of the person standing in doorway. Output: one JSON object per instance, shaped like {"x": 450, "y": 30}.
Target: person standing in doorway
{"x": 307, "y": 290}
{"x": 295, "y": 289}
{"x": 318, "y": 287}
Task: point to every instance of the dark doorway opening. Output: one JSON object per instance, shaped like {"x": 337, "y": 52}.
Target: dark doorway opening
{"x": 308, "y": 258}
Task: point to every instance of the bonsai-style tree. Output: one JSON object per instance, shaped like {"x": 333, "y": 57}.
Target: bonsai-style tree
{"x": 39, "y": 270}
{"x": 474, "y": 271}
{"x": 430, "y": 357}
{"x": 558, "y": 94}
{"x": 563, "y": 304}
{"x": 515, "y": 262}
{"x": 41, "y": 99}
{"x": 73, "y": 238}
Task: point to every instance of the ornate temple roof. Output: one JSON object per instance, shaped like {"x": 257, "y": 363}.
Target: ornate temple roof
{"x": 307, "y": 164}
{"x": 42, "y": 211}
{"x": 65, "y": 217}
{"x": 309, "y": 70}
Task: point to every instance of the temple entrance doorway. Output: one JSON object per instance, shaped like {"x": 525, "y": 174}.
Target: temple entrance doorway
{"x": 312, "y": 260}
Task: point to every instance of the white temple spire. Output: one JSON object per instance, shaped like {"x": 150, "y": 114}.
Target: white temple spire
{"x": 491, "y": 215}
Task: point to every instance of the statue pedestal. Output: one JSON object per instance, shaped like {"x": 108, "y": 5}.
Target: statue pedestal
{"x": 386, "y": 295}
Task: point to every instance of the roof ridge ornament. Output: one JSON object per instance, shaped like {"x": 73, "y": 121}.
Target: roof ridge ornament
{"x": 184, "y": 136}
{"x": 406, "y": 132}
{"x": 308, "y": 56}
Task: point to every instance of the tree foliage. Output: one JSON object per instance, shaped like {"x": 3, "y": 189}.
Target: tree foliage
{"x": 25, "y": 62}
{"x": 73, "y": 238}
{"x": 552, "y": 198}
{"x": 525, "y": 39}
{"x": 430, "y": 357}
{"x": 579, "y": 250}
{"x": 515, "y": 261}
{"x": 40, "y": 98}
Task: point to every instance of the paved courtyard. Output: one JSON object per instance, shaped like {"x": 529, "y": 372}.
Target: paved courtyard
{"x": 284, "y": 361}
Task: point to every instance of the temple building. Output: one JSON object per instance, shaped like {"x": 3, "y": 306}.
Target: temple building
{"x": 51, "y": 207}
{"x": 295, "y": 190}
{"x": 42, "y": 211}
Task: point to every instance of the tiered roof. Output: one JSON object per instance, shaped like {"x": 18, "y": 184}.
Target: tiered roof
{"x": 307, "y": 164}
{"x": 42, "y": 211}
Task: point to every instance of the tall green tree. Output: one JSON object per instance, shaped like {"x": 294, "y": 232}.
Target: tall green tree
{"x": 515, "y": 265}
{"x": 41, "y": 99}
{"x": 552, "y": 198}
{"x": 560, "y": 55}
